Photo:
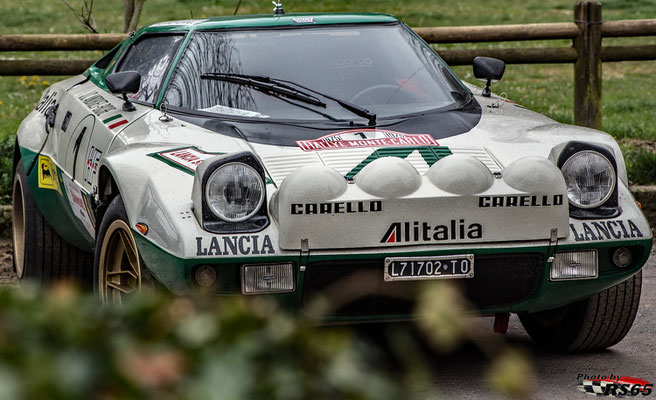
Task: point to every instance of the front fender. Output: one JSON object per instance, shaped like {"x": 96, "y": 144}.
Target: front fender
{"x": 154, "y": 195}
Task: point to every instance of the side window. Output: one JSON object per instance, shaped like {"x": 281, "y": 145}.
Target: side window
{"x": 103, "y": 63}
{"x": 208, "y": 52}
{"x": 150, "y": 56}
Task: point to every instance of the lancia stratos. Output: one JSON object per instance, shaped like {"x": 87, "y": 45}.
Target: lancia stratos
{"x": 331, "y": 156}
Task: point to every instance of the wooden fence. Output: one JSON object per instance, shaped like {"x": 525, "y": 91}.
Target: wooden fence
{"x": 586, "y": 53}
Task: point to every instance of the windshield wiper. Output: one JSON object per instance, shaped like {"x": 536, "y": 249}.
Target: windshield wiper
{"x": 276, "y": 85}
{"x": 355, "y": 109}
{"x": 265, "y": 86}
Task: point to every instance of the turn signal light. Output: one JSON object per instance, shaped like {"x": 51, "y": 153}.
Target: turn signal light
{"x": 575, "y": 265}
{"x": 267, "y": 278}
{"x": 142, "y": 228}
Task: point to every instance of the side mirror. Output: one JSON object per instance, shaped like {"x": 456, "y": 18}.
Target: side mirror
{"x": 124, "y": 83}
{"x": 488, "y": 69}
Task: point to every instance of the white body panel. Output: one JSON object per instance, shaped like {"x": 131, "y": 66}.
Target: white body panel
{"x": 159, "y": 194}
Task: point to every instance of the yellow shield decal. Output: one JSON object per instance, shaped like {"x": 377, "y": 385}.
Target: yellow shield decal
{"x": 48, "y": 174}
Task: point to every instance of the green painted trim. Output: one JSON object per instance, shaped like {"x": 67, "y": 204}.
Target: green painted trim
{"x": 439, "y": 58}
{"x": 174, "y": 273}
{"x": 112, "y": 118}
{"x": 548, "y": 295}
{"x": 156, "y": 155}
{"x": 646, "y": 242}
{"x": 430, "y": 154}
{"x": 271, "y": 20}
{"x": 60, "y": 215}
{"x": 171, "y": 163}
{"x": 171, "y": 71}
{"x": 97, "y": 75}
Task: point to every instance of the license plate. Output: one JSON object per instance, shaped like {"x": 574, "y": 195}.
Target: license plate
{"x": 437, "y": 267}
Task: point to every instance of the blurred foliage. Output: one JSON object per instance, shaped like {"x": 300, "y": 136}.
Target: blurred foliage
{"x": 441, "y": 310}
{"x": 511, "y": 373}
{"x": 61, "y": 344}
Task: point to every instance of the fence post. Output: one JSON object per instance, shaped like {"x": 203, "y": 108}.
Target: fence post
{"x": 587, "y": 69}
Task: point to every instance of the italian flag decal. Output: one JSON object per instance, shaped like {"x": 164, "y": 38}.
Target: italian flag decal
{"x": 115, "y": 121}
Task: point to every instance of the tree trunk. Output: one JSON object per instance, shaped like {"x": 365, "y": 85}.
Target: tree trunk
{"x": 587, "y": 69}
{"x": 129, "y": 9}
{"x": 135, "y": 15}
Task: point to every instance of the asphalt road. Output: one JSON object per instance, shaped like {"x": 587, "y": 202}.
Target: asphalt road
{"x": 461, "y": 374}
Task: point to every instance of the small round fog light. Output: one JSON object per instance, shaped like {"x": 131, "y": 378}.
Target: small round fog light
{"x": 205, "y": 276}
{"x": 622, "y": 257}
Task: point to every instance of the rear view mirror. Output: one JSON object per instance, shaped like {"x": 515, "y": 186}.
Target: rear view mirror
{"x": 488, "y": 69}
{"x": 124, "y": 83}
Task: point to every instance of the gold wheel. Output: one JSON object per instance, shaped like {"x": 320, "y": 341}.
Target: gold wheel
{"x": 119, "y": 269}
{"x": 18, "y": 226}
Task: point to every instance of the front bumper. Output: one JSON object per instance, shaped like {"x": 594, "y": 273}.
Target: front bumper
{"x": 509, "y": 277}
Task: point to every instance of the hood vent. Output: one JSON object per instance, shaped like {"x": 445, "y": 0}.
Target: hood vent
{"x": 349, "y": 161}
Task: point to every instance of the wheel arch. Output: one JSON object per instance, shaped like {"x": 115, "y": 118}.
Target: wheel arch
{"x": 107, "y": 190}
{"x": 17, "y": 157}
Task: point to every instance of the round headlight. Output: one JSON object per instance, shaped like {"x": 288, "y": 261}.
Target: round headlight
{"x": 234, "y": 192}
{"x": 590, "y": 179}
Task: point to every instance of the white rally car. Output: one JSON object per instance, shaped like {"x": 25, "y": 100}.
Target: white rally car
{"x": 331, "y": 154}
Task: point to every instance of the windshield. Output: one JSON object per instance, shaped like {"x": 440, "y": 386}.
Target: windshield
{"x": 382, "y": 68}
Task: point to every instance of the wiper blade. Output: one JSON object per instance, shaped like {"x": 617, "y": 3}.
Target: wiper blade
{"x": 265, "y": 85}
{"x": 355, "y": 109}
{"x": 266, "y": 81}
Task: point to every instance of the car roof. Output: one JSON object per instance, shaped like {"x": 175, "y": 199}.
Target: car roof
{"x": 268, "y": 20}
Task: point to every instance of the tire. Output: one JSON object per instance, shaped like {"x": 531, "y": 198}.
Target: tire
{"x": 39, "y": 253}
{"x": 595, "y": 323}
{"x": 117, "y": 272}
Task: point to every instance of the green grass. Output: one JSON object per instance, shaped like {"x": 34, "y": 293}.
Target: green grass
{"x": 640, "y": 159}
{"x": 629, "y": 96}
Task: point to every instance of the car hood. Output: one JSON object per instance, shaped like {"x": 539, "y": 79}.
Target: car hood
{"x": 408, "y": 181}
{"x": 494, "y": 130}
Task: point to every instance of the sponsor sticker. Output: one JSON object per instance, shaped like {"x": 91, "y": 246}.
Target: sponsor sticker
{"x": 115, "y": 121}
{"x": 48, "y": 177}
{"x": 96, "y": 103}
{"x": 590, "y": 231}
{"x": 79, "y": 203}
{"x": 366, "y": 138}
{"x": 304, "y": 20}
{"x": 521, "y": 201}
{"x": 49, "y": 99}
{"x": 613, "y": 385}
{"x": 91, "y": 167}
{"x": 186, "y": 158}
{"x": 407, "y": 232}
{"x": 185, "y": 22}
{"x": 337, "y": 207}
{"x": 234, "y": 245}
